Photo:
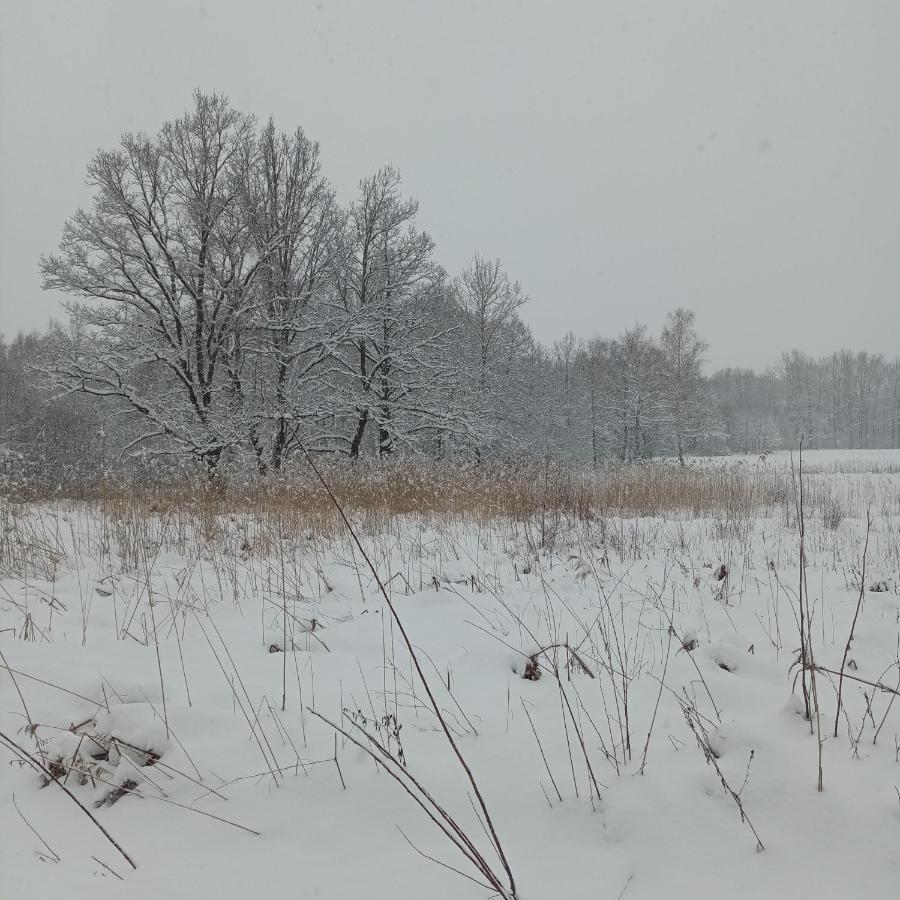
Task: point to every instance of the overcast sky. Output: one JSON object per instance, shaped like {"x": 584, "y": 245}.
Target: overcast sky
{"x": 740, "y": 158}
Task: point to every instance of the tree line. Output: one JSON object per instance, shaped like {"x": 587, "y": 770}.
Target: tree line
{"x": 228, "y": 309}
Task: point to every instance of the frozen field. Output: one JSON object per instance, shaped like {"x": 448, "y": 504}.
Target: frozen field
{"x": 624, "y": 691}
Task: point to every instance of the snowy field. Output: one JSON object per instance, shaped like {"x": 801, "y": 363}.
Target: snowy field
{"x": 624, "y": 692}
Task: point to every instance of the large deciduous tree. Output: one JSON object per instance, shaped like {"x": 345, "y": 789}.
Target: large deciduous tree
{"x": 168, "y": 246}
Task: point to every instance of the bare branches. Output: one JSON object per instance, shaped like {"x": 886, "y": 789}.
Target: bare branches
{"x": 695, "y": 723}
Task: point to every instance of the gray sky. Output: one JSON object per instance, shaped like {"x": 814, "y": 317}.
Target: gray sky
{"x": 740, "y": 158}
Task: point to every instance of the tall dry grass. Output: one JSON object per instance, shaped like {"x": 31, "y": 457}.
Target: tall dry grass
{"x": 548, "y": 497}
{"x": 406, "y": 486}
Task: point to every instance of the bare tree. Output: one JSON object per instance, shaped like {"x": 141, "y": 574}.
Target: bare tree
{"x": 167, "y": 251}
{"x": 295, "y": 222}
{"x": 682, "y": 356}
{"x": 393, "y": 299}
{"x": 636, "y": 392}
{"x": 489, "y": 301}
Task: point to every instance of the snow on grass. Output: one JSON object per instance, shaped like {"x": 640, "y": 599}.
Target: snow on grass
{"x": 600, "y": 678}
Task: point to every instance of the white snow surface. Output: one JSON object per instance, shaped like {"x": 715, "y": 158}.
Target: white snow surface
{"x": 474, "y": 618}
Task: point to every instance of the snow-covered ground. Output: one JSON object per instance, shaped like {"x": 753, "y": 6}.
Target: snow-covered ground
{"x": 833, "y": 461}
{"x": 603, "y": 776}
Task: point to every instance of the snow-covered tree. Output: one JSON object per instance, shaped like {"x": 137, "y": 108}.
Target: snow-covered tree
{"x": 295, "y": 222}
{"x": 488, "y": 300}
{"x": 166, "y": 260}
{"x": 392, "y": 372}
{"x": 635, "y": 394}
{"x": 688, "y": 410}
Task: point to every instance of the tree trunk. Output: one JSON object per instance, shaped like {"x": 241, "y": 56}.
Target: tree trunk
{"x": 358, "y": 435}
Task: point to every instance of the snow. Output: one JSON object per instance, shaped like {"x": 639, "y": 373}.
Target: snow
{"x": 835, "y": 461}
{"x": 214, "y": 719}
